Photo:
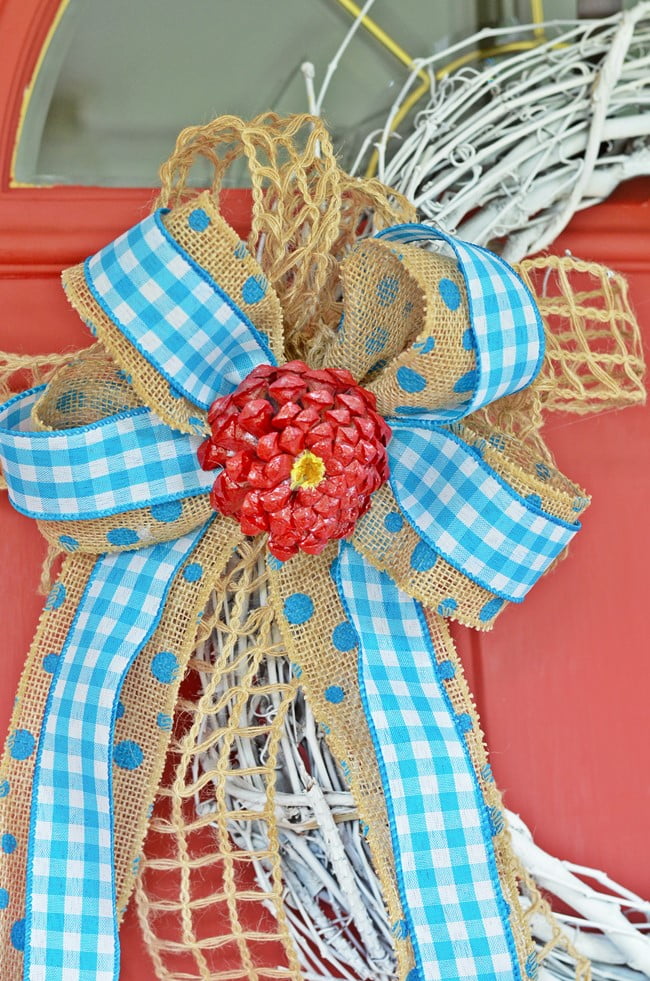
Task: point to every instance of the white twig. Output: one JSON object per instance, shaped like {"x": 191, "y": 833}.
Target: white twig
{"x": 597, "y": 912}
{"x": 510, "y": 149}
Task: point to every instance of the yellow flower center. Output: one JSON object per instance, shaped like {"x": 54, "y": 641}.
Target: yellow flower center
{"x": 307, "y": 471}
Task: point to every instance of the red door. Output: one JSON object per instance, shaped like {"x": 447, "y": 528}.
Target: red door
{"x": 561, "y": 682}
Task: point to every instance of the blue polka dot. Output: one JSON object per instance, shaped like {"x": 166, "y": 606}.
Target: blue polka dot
{"x": 198, "y": 220}
{"x": 408, "y": 308}
{"x": 450, "y": 293}
{"x": 69, "y": 543}
{"x": 479, "y": 447}
{"x": 334, "y": 694}
{"x": 425, "y": 347}
{"x": 8, "y": 843}
{"x": 18, "y": 935}
{"x": 535, "y": 500}
{"x": 164, "y": 667}
{"x": 447, "y": 606}
{"x": 123, "y": 376}
{"x": 543, "y": 471}
{"x": 298, "y": 608}
{"x": 376, "y": 341}
{"x": 122, "y": 536}
{"x": 128, "y": 755}
{"x": 56, "y": 597}
{"x": 468, "y": 339}
{"x": 119, "y": 710}
{"x": 378, "y": 366}
{"x": 51, "y": 663}
{"x": 466, "y": 382}
{"x": 167, "y": 512}
{"x": 490, "y": 609}
{"x": 192, "y": 572}
{"x": 4, "y": 789}
{"x": 70, "y": 400}
{"x": 387, "y": 290}
{"x": 164, "y": 721}
{"x": 496, "y": 820}
{"x": 423, "y": 558}
{"x": 446, "y": 670}
{"x": 4, "y": 898}
{"x": 241, "y": 250}
{"x": 486, "y": 774}
{"x": 21, "y": 744}
{"x": 254, "y": 289}
{"x": 393, "y": 522}
{"x": 273, "y": 563}
{"x": 410, "y": 381}
{"x": 344, "y": 637}
{"x": 409, "y": 410}
{"x": 532, "y": 966}
{"x": 464, "y": 721}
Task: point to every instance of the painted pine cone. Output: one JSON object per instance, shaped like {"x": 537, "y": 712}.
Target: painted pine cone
{"x": 302, "y": 451}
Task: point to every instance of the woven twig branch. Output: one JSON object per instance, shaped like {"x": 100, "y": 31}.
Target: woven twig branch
{"x": 507, "y": 152}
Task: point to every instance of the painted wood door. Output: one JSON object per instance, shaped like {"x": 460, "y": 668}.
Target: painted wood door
{"x": 561, "y": 682}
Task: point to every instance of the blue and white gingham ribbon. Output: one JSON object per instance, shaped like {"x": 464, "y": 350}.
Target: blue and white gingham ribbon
{"x": 196, "y": 336}
{"x": 505, "y": 323}
{"x": 466, "y": 513}
{"x": 174, "y": 313}
{"x": 70, "y": 924}
{"x": 456, "y": 914}
{"x": 125, "y": 461}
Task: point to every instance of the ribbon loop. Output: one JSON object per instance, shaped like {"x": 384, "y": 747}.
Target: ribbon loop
{"x": 467, "y": 514}
{"x": 174, "y": 313}
{"x": 505, "y": 328}
{"x": 107, "y": 467}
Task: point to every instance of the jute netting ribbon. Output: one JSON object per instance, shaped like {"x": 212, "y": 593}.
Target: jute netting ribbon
{"x": 379, "y": 469}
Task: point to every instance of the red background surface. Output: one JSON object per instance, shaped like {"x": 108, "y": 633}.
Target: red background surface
{"x": 561, "y": 683}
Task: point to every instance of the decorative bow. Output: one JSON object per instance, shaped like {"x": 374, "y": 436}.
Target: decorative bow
{"x": 105, "y": 458}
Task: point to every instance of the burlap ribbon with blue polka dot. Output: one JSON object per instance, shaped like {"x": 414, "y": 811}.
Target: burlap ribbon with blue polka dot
{"x": 104, "y": 457}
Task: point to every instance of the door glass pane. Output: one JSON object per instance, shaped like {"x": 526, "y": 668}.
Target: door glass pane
{"x": 120, "y": 79}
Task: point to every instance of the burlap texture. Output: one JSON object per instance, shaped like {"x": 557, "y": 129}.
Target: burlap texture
{"x": 199, "y": 903}
{"x": 310, "y": 645}
{"x": 89, "y": 388}
{"x": 395, "y": 317}
{"x": 218, "y": 250}
{"x": 149, "y": 704}
{"x": 594, "y": 353}
{"x": 442, "y": 587}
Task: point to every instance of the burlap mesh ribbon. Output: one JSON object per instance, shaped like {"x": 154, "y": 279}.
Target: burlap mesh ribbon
{"x": 310, "y": 296}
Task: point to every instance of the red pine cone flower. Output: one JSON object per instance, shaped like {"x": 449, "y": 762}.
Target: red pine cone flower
{"x": 302, "y": 451}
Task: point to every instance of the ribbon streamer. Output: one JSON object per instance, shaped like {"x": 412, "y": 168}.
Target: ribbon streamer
{"x": 440, "y": 825}
{"x": 71, "y": 850}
